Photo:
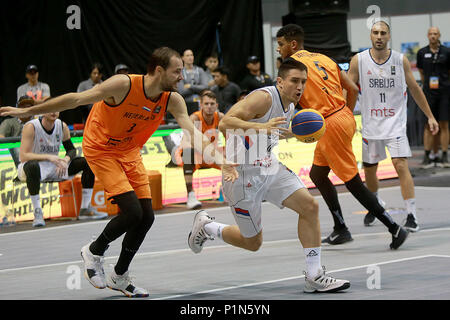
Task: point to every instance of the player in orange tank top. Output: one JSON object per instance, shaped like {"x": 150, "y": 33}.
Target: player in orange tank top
{"x": 207, "y": 121}
{"x": 127, "y": 110}
{"x": 324, "y": 92}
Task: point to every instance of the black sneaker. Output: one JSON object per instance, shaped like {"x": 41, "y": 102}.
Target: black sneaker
{"x": 411, "y": 223}
{"x": 444, "y": 161}
{"x": 399, "y": 237}
{"x": 338, "y": 237}
{"x": 427, "y": 163}
{"x": 369, "y": 219}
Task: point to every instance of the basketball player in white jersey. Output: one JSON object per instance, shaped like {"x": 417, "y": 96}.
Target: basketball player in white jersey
{"x": 384, "y": 75}
{"x": 39, "y": 161}
{"x": 250, "y": 127}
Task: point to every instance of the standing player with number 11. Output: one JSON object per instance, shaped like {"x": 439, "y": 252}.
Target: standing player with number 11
{"x": 383, "y": 75}
{"x": 324, "y": 93}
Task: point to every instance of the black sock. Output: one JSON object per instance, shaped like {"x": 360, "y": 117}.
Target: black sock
{"x": 99, "y": 246}
{"x": 370, "y": 202}
{"x": 126, "y": 255}
{"x": 319, "y": 175}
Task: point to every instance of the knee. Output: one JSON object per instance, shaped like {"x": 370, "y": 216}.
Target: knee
{"x": 148, "y": 216}
{"x": 400, "y": 164}
{"x": 31, "y": 168}
{"x": 311, "y": 208}
{"x": 253, "y": 244}
{"x": 318, "y": 175}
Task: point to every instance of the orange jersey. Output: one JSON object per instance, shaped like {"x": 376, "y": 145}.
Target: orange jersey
{"x": 323, "y": 90}
{"x": 210, "y": 130}
{"x": 125, "y": 127}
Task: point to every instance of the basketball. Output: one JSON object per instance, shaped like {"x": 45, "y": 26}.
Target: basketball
{"x": 308, "y": 125}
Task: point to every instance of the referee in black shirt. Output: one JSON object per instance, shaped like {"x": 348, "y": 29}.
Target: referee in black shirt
{"x": 433, "y": 62}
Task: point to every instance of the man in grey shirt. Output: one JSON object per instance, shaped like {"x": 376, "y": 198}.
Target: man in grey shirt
{"x": 227, "y": 92}
{"x": 39, "y": 91}
{"x": 194, "y": 79}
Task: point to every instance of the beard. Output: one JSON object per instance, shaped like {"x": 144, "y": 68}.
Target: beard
{"x": 169, "y": 86}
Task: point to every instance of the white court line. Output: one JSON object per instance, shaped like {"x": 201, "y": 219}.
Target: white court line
{"x": 293, "y": 278}
{"x": 167, "y": 215}
{"x": 158, "y": 216}
{"x": 175, "y": 251}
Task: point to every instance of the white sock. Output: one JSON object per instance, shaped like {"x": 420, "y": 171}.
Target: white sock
{"x": 411, "y": 206}
{"x": 313, "y": 264}
{"x": 215, "y": 229}
{"x": 36, "y": 201}
{"x": 86, "y": 198}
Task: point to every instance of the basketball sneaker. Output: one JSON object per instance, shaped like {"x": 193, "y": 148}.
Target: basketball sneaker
{"x": 427, "y": 163}
{"x": 399, "y": 237}
{"x": 124, "y": 284}
{"x": 38, "y": 218}
{"x": 192, "y": 202}
{"x": 338, "y": 237}
{"x": 324, "y": 283}
{"x": 411, "y": 223}
{"x": 198, "y": 234}
{"x": 93, "y": 267}
{"x": 91, "y": 213}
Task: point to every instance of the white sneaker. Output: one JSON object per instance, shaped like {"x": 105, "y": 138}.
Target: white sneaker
{"x": 93, "y": 267}
{"x": 324, "y": 283}
{"x": 198, "y": 235}
{"x": 38, "y": 218}
{"x": 123, "y": 284}
{"x": 192, "y": 202}
{"x": 91, "y": 213}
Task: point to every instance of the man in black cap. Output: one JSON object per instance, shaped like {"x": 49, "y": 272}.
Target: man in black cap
{"x": 121, "y": 69}
{"x": 255, "y": 78}
{"x": 39, "y": 91}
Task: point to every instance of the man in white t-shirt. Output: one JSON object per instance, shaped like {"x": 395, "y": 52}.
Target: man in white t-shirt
{"x": 384, "y": 75}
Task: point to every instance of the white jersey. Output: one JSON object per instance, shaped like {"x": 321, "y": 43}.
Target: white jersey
{"x": 251, "y": 148}
{"x": 44, "y": 142}
{"x": 383, "y": 96}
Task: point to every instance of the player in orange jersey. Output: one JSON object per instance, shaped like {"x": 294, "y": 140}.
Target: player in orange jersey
{"x": 207, "y": 121}
{"x": 324, "y": 92}
{"x": 127, "y": 111}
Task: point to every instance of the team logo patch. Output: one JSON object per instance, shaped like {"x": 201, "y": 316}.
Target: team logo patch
{"x": 146, "y": 109}
{"x": 369, "y": 73}
{"x": 393, "y": 70}
{"x": 365, "y": 141}
{"x": 242, "y": 212}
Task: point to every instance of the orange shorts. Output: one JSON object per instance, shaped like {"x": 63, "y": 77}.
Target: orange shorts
{"x": 334, "y": 149}
{"x": 118, "y": 177}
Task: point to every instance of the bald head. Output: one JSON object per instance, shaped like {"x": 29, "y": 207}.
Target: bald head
{"x": 434, "y": 35}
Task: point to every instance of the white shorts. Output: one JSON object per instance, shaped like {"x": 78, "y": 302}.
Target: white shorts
{"x": 374, "y": 151}
{"x": 48, "y": 172}
{"x": 246, "y": 194}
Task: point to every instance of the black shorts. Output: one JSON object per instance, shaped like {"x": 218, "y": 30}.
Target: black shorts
{"x": 439, "y": 103}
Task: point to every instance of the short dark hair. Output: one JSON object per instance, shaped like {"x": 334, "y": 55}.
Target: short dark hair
{"x": 161, "y": 57}
{"x": 289, "y": 64}
{"x": 292, "y": 32}
{"x": 223, "y": 70}
{"x": 208, "y": 93}
{"x": 98, "y": 66}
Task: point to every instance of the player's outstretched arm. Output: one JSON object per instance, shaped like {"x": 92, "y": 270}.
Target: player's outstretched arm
{"x": 113, "y": 90}
{"x": 419, "y": 96}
